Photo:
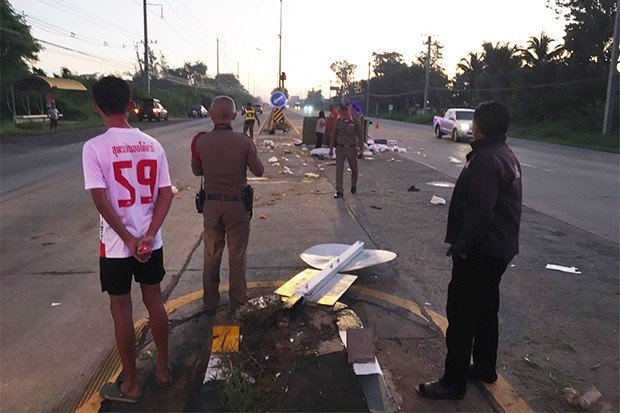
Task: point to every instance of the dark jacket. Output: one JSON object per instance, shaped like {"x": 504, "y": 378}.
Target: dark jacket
{"x": 485, "y": 211}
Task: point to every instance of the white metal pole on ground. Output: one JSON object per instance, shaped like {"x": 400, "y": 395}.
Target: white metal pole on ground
{"x": 612, "y": 80}
{"x": 368, "y": 92}
{"x": 427, "y": 75}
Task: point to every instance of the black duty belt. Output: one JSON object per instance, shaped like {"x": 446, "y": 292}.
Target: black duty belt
{"x": 224, "y": 197}
{"x": 345, "y": 146}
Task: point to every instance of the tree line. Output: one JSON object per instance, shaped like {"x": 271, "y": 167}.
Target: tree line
{"x": 545, "y": 79}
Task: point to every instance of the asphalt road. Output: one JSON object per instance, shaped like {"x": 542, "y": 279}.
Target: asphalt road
{"x": 49, "y": 243}
{"x": 578, "y": 186}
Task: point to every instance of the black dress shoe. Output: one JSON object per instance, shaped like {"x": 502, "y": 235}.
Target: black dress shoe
{"x": 353, "y": 189}
{"x": 479, "y": 374}
{"x": 436, "y": 390}
{"x": 339, "y": 195}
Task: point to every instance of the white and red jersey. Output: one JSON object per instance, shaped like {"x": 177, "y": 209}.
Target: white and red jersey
{"x": 131, "y": 166}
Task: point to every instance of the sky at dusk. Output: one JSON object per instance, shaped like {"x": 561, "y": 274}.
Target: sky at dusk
{"x": 315, "y": 34}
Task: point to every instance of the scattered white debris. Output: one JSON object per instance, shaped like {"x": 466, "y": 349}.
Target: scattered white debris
{"x": 441, "y": 184}
{"x": 391, "y": 160}
{"x": 368, "y": 153}
{"x": 512, "y": 265}
{"x": 267, "y": 357}
{"x": 273, "y": 159}
{"x": 284, "y": 159}
{"x": 392, "y": 142}
{"x": 55, "y": 304}
{"x": 454, "y": 160}
{"x": 304, "y": 149}
{"x": 287, "y": 171}
{"x": 586, "y": 400}
{"x": 571, "y": 270}
{"x": 304, "y": 164}
{"x": 175, "y": 190}
{"x": 297, "y": 142}
{"x": 311, "y": 175}
{"x": 278, "y": 375}
{"x": 427, "y": 304}
{"x": 269, "y": 143}
{"x": 322, "y": 153}
{"x": 437, "y": 200}
{"x": 291, "y": 339}
{"x": 215, "y": 370}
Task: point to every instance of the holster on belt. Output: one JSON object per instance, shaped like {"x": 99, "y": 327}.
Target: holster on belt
{"x": 248, "y": 194}
{"x": 200, "y": 198}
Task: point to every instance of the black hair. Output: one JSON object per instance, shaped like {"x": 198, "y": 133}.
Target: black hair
{"x": 248, "y": 104}
{"x": 112, "y": 95}
{"x": 492, "y": 118}
{"x": 321, "y": 114}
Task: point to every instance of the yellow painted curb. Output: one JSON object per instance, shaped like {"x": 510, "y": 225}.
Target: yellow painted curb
{"x": 110, "y": 368}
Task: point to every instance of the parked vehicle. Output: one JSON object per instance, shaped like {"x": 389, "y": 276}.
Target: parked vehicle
{"x": 456, "y": 123}
{"x": 197, "y": 111}
{"x": 150, "y": 109}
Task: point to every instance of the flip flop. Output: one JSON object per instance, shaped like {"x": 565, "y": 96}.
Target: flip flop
{"x": 113, "y": 392}
{"x": 163, "y": 384}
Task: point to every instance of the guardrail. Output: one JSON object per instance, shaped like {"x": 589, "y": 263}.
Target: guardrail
{"x": 17, "y": 119}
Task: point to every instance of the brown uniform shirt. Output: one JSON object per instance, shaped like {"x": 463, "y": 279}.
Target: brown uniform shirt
{"x": 223, "y": 156}
{"x": 348, "y": 132}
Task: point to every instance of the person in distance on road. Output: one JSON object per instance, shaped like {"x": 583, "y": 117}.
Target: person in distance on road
{"x": 53, "y": 114}
{"x": 321, "y": 123}
{"x": 127, "y": 174}
{"x": 483, "y": 233}
{"x": 222, "y": 156}
{"x": 348, "y": 140}
{"x": 250, "y": 117}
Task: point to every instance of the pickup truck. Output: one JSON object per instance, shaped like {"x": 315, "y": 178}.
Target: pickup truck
{"x": 456, "y": 123}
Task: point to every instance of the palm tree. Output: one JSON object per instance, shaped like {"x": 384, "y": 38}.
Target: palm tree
{"x": 539, "y": 51}
{"x": 501, "y": 64}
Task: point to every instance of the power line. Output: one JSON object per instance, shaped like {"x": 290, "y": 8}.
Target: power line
{"x": 51, "y": 28}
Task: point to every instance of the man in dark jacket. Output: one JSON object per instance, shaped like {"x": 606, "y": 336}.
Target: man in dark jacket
{"x": 483, "y": 233}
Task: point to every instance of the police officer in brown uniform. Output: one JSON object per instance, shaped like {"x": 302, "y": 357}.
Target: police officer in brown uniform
{"x": 222, "y": 156}
{"x": 348, "y": 140}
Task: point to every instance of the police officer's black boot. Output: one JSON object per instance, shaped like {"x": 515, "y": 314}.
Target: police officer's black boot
{"x": 339, "y": 195}
{"x": 353, "y": 189}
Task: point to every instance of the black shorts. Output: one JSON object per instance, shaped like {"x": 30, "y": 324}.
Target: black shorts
{"x": 115, "y": 273}
{"x": 53, "y": 122}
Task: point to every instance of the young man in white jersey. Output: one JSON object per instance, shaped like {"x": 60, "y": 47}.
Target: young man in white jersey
{"x": 127, "y": 174}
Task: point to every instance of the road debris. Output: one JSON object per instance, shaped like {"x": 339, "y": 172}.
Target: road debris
{"x": 311, "y": 175}
{"x": 175, "y": 190}
{"x": 287, "y": 171}
{"x": 263, "y": 217}
{"x": 55, "y": 304}
{"x": 146, "y": 354}
{"x": 413, "y": 188}
{"x": 570, "y": 270}
{"x": 375, "y": 207}
{"x": 269, "y": 144}
{"x": 273, "y": 159}
{"x": 360, "y": 345}
{"x": 454, "y": 160}
{"x": 441, "y": 184}
{"x": 585, "y": 400}
{"x": 437, "y": 200}
{"x": 297, "y": 142}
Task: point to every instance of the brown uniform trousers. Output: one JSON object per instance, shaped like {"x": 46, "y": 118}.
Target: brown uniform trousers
{"x": 350, "y": 154}
{"x": 225, "y": 222}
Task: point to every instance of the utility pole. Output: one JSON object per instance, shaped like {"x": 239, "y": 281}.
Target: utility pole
{"x": 147, "y": 81}
{"x": 218, "y": 62}
{"x": 612, "y": 80}
{"x": 280, "y": 82}
{"x": 368, "y": 92}
{"x": 427, "y": 75}
{"x": 237, "y": 70}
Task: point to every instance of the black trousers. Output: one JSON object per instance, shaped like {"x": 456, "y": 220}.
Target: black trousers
{"x": 319, "y": 140}
{"x": 473, "y": 303}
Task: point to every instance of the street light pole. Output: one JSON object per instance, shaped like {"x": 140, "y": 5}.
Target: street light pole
{"x": 426, "y": 76}
{"x": 280, "y": 53}
{"x": 147, "y": 82}
{"x": 368, "y": 92}
{"x": 612, "y": 80}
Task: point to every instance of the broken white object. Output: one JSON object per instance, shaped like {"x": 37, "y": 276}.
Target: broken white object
{"x": 175, "y": 190}
{"x": 392, "y": 142}
{"x": 571, "y": 270}
{"x": 454, "y": 160}
{"x": 437, "y": 200}
{"x": 269, "y": 143}
{"x": 273, "y": 159}
{"x": 55, "y": 304}
{"x": 284, "y": 159}
{"x": 287, "y": 171}
{"x": 311, "y": 175}
{"x": 215, "y": 370}
{"x": 361, "y": 369}
{"x": 304, "y": 149}
{"x": 297, "y": 142}
{"x": 441, "y": 184}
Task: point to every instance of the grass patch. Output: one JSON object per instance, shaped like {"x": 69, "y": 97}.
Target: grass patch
{"x": 37, "y": 128}
{"x": 560, "y": 133}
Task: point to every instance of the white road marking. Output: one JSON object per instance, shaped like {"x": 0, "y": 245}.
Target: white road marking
{"x": 529, "y": 166}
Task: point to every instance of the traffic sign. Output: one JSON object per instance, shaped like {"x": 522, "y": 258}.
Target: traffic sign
{"x": 278, "y": 99}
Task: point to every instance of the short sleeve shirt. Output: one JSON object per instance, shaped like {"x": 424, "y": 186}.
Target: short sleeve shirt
{"x": 131, "y": 166}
